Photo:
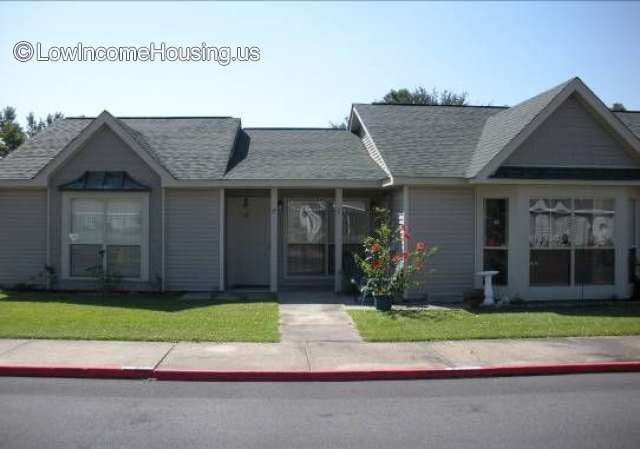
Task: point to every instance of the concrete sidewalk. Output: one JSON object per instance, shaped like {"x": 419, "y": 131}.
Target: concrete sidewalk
{"x": 315, "y": 356}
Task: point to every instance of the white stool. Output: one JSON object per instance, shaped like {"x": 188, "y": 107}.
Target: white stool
{"x": 489, "y": 299}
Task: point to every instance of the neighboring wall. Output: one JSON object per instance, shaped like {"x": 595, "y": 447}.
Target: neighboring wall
{"x": 192, "y": 239}
{"x": 107, "y": 152}
{"x": 571, "y": 136}
{"x": 23, "y": 216}
{"x": 444, "y": 217}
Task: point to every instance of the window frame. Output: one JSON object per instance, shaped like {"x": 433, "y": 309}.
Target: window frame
{"x": 68, "y": 197}
{"x": 505, "y": 246}
{"x": 573, "y": 247}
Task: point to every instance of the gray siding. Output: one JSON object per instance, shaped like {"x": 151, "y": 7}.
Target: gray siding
{"x": 192, "y": 239}
{"x": 445, "y": 218}
{"x": 106, "y": 151}
{"x": 571, "y": 136}
{"x": 23, "y": 215}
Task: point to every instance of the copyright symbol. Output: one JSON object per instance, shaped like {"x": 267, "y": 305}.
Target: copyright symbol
{"x": 23, "y": 51}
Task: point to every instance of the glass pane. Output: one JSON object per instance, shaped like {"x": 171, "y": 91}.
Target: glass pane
{"x": 85, "y": 260}
{"x": 497, "y": 259}
{"x": 124, "y": 222}
{"x": 539, "y": 224}
{"x": 595, "y": 266}
{"x": 560, "y": 221}
{"x": 355, "y": 221}
{"x": 87, "y": 221}
{"x": 124, "y": 261}
{"x": 550, "y": 267}
{"x": 307, "y": 221}
{"x": 305, "y": 259}
{"x": 495, "y": 222}
{"x": 594, "y": 222}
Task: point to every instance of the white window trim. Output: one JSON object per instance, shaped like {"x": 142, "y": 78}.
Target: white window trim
{"x": 67, "y": 197}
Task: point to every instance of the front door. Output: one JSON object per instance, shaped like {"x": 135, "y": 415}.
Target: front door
{"x": 247, "y": 245}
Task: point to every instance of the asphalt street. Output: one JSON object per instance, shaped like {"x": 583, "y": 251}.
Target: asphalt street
{"x": 584, "y": 411}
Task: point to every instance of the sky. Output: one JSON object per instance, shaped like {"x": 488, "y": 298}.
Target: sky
{"x": 316, "y": 58}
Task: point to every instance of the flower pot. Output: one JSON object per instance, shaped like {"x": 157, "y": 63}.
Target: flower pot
{"x": 383, "y": 303}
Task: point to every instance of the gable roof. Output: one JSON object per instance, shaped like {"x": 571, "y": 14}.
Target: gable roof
{"x": 470, "y": 141}
{"x": 190, "y": 148}
{"x": 424, "y": 141}
{"x": 501, "y": 128}
{"x": 301, "y": 154}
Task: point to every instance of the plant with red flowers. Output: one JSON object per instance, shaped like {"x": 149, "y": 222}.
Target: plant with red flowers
{"x": 390, "y": 261}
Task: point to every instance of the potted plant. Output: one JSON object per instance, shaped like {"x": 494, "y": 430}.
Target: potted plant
{"x": 388, "y": 265}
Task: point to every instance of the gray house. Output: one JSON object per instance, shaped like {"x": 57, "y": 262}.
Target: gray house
{"x": 545, "y": 192}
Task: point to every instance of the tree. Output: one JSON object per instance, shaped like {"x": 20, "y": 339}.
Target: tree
{"x": 420, "y": 95}
{"x": 11, "y": 133}
{"x": 35, "y": 126}
{"x": 618, "y": 107}
{"x": 341, "y": 125}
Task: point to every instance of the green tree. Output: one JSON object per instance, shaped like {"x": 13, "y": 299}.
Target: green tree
{"x": 11, "y": 133}
{"x": 420, "y": 95}
{"x": 618, "y": 107}
{"x": 34, "y": 126}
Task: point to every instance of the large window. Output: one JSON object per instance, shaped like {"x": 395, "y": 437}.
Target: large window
{"x": 310, "y": 234}
{"x": 106, "y": 237}
{"x": 495, "y": 254}
{"x": 571, "y": 241}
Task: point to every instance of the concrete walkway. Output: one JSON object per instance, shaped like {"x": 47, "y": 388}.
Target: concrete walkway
{"x": 315, "y": 356}
{"x": 311, "y": 316}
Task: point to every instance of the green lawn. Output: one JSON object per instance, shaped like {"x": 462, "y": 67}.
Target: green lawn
{"x": 135, "y": 317}
{"x": 502, "y": 323}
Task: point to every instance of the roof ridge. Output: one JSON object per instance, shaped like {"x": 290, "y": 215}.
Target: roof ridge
{"x": 160, "y": 117}
{"x": 293, "y": 128}
{"x": 433, "y": 105}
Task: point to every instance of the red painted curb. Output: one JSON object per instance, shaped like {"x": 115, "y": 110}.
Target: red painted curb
{"x": 398, "y": 374}
{"x": 98, "y": 372}
{"x": 115, "y": 372}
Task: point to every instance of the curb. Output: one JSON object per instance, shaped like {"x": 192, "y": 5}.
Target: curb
{"x": 88, "y": 372}
{"x": 115, "y": 372}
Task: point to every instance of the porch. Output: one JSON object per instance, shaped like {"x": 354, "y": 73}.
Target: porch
{"x": 286, "y": 239}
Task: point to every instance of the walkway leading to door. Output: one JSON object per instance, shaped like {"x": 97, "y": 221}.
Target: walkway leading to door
{"x": 307, "y": 316}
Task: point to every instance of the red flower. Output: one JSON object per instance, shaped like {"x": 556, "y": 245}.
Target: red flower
{"x": 420, "y": 246}
{"x": 405, "y": 254}
{"x": 375, "y": 263}
{"x": 403, "y": 232}
{"x": 395, "y": 259}
{"x": 375, "y": 247}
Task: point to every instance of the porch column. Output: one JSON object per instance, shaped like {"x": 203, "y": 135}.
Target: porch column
{"x": 221, "y": 243}
{"x": 273, "y": 263}
{"x": 338, "y": 241}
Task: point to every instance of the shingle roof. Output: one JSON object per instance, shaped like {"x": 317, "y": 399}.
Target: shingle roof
{"x": 189, "y": 148}
{"x": 631, "y": 119}
{"x": 296, "y": 154}
{"x": 33, "y": 155}
{"x": 429, "y": 141}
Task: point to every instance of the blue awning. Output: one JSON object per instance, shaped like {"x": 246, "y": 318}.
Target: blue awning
{"x": 109, "y": 181}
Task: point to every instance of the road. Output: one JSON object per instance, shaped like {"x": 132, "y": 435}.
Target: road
{"x": 586, "y": 411}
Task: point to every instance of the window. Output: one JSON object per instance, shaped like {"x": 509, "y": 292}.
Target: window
{"x": 571, "y": 236}
{"x": 495, "y": 254}
{"x": 308, "y": 223}
{"x": 633, "y": 222}
{"x": 106, "y": 235}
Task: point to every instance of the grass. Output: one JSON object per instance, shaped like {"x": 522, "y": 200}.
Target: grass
{"x": 459, "y": 324}
{"x": 135, "y": 317}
